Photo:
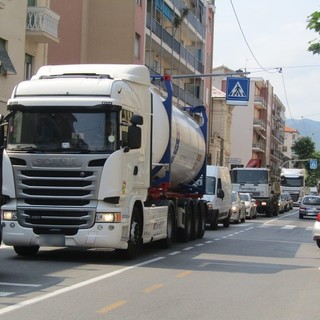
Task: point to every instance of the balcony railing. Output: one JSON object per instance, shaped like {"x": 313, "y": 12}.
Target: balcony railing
{"x": 42, "y": 25}
{"x": 168, "y": 39}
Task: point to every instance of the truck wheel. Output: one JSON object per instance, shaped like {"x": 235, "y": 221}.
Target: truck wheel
{"x": 26, "y": 250}
{"x": 195, "y": 220}
{"x": 203, "y": 218}
{"x": 184, "y": 232}
{"x": 135, "y": 237}
{"x": 167, "y": 242}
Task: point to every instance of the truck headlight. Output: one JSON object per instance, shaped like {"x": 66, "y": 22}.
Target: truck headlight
{"x": 9, "y": 215}
{"x": 108, "y": 217}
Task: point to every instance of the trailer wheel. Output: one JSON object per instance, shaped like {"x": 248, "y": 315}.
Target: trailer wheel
{"x": 167, "y": 242}
{"x": 203, "y": 210}
{"x": 184, "y": 233}
{"x": 195, "y": 220}
{"x": 26, "y": 250}
{"x": 135, "y": 237}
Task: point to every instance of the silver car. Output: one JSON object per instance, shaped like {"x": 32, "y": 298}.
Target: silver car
{"x": 309, "y": 206}
{"x": 238, "y": 208}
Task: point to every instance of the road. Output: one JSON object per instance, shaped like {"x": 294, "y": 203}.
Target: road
{"x": 266, "y": 268}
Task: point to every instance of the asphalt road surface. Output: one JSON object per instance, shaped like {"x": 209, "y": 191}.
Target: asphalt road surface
{"x": 263, "y": 269}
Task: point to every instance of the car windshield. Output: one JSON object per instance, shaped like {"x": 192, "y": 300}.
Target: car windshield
{"x": 311, "y": 200}
{"x": 62, "y": 131}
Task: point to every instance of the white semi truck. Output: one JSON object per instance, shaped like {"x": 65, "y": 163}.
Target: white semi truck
{"x": 257, "y": 181}
{"x": 95, "y": 158}
{"x": 293, "y": 181}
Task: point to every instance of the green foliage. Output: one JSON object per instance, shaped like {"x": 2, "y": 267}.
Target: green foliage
{"x": 304, "y": 148}
{"x": 313, "y": 23}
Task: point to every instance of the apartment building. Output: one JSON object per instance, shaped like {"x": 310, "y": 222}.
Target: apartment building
{"x": 257, "y": 129}
{"x": 291, "y": 136}
{"x": 26, "y": 28}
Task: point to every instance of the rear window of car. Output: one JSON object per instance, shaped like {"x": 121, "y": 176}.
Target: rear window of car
{"x": 312, "y": 200}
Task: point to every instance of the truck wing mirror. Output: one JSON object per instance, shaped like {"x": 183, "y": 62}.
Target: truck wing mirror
{"x": 134, "y": 132}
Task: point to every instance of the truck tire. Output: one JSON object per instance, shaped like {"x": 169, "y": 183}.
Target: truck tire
{"x": 203, "y": 218}
{"x": 26, "y": 250}
{"x": 195, "y": 220}
{"x": 171, "y": 226}
{"x": 184, "y": 233}
{"x": 135, "y": 237}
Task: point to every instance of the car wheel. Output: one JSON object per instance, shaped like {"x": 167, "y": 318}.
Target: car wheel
{"x": 318, "y": 243}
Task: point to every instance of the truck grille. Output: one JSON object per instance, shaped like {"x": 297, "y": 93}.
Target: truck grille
{"x": 56, "y": 199}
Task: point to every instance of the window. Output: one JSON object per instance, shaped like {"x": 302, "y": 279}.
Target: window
{"x": 137, "y": 46}
{"x": 126, "y": 115}
{"x": 6, "y": 65}
{"x": 139, "y": 2}
{"x": 28, "y": 66}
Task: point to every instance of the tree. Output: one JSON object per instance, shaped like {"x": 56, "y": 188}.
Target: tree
{"x": 303, "y": 148}
{"x": 314, "y": 24}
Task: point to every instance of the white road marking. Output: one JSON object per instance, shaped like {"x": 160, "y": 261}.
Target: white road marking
{"x": 288, "y": 227}
{"x": 74, "y": 286}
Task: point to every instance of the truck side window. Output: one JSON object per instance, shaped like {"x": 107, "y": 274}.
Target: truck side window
{"x": 125, "y": 122}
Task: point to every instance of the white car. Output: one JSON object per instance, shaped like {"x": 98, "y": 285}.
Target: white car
{"x": 251, "y": 209}
{"x": 316, "y": 231}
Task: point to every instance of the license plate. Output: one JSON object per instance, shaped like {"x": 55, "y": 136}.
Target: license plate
{"x": 54, "y": 240}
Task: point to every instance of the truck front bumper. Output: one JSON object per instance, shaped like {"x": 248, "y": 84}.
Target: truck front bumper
{"x": 101, "y": 235}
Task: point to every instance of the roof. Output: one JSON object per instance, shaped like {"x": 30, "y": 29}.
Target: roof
{"x": 290, "y": 130}
{"x": 216, "y": 93}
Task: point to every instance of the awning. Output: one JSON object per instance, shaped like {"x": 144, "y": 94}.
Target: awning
{"x": 5, "y": 61}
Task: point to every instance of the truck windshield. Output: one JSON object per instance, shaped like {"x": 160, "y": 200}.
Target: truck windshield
{"x": 249, "y": 176}
{"x": 292, "y": 182}
{"x": 62, "y": 131}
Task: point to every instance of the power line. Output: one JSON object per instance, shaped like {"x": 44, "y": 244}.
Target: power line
{"x": 244, "y": 37}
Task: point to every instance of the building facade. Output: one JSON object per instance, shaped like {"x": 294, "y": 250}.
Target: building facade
{"x": 26, "y": 28}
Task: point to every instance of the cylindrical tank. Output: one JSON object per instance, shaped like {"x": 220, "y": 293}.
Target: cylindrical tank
{"x": 188, "y": 146}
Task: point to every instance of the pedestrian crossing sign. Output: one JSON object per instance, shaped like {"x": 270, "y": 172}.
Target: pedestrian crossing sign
{"x": 237, "y": 92}
{"x": 313, "y": 163}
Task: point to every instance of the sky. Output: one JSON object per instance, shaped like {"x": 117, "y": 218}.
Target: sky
{"x": 274, "y": 36}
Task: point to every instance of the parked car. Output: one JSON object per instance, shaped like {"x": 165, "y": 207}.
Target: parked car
{"x": 282, "y": 203}
{"x": 238, "y": 208}
{"x": 250, "y": 205}
{"x": 316, "y": 231}
{"x": 289, "y": 201}
{"x": 309, "y": 206}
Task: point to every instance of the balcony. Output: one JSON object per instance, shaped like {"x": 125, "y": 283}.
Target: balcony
{"x": 259, "y": 124}
{"x": 42, "y": 25}
{"x": 260, "y": 102}
{"x": 258, "y": 147}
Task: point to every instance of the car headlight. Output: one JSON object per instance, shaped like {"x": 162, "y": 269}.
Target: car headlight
{"x": 9, "y": 215}
{"x": 234, "y": 208}
{"x": 108, "y": 217}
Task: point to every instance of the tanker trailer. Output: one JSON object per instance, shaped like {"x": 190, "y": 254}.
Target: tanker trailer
{"x": 94, "y": 158}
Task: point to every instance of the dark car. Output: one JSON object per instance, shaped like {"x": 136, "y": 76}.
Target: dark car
{"x": 309, "y": 206}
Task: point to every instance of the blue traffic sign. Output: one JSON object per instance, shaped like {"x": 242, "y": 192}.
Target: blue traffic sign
{"x": 237, "y": 92}
{"x": 313, "y": 163}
